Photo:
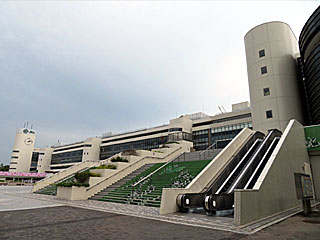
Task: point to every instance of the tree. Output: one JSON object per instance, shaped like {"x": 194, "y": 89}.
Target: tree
{"x": 4, "y": 168}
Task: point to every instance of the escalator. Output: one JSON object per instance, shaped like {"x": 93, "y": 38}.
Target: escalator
{"x": 241, "y": 173}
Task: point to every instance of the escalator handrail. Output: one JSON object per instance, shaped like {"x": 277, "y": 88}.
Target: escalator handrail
{"x": 271, "y": 148}
{"x": 258, "y": 141}
{"x": 252, "y": 159}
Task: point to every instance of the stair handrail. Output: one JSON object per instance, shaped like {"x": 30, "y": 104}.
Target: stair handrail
{"x": 207, "y": 149}
{"x": 255, "y": 155}
{"x": 273, "y": 144}
{"x": 158, "y": 169}
{"x": 97, "y": 184}
{"x": 72, "y": 167}
{"x": 64, "y": 170}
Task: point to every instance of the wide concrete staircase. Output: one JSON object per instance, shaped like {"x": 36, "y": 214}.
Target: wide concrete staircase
{"x": 137, "y": 175}
{"x": 145, "y": 185}
{"x": 62, "y": 175}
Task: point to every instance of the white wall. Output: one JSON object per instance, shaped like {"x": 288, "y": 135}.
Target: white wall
{"x": 24, "y": 143}
{"x": 45, "y": 155}
{"x": 281, "y": 50}
{"x": 91, "y": 153}
{"x": 210, "y": 172}
{"x": 275, "y": 189}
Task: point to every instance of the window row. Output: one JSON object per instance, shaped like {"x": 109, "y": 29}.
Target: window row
{"x": 201, "y": 132}
{"x": 232, "y": 127}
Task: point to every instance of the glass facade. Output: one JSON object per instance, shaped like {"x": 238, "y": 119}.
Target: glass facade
{"x": 201, "y": 139}
{"x": 226, "y": 119}
{"x": 34, "y": 161}
{"x": 146, "y": 144}
{"x": 220, "y": 136}
{"x": 67, "y": 157}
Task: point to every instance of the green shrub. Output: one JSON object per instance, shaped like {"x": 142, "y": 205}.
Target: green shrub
{"x": 119, "y": 159}
{"x": 71, "y": 184}
{"x": 157, "y": 151}
{"x": 129, "y": 152}
{"x": 109, "y": 166}
{"x": 81, "y": 177}
{"x": 95, "y": 174}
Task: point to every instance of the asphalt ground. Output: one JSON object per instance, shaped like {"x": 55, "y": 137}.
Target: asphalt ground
{"x": 66, "y": 222}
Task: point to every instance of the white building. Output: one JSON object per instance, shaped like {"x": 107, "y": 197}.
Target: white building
{"x": 200, "y": 129}
{"x": 22, "y": 150}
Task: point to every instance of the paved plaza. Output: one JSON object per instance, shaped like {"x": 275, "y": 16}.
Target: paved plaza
{"x": 28, "y": 216}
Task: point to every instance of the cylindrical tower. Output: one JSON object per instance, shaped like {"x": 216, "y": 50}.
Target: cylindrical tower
{"x": 309, "y": 43}
{"x": 22, "y": 150}
{"x": 271, "y": 52}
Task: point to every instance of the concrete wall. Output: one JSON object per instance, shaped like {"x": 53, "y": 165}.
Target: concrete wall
{"x": 281, "y": 49}
{"x": 71, "y": 193}
{"x": 209, "y": 173}
{"x": 45, "y": 155}
{"x": 183, "y": 122}
{"x": 22, "y": 150}
{"x": 275, "y": 190}
{"x": 91, "y": 153}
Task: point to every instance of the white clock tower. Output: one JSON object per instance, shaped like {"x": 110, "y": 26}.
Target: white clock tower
{"x": 22, "y": 150}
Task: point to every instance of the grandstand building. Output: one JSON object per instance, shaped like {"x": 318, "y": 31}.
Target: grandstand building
{"x": 200, "y": 129}
{"x": 254, "y": 174}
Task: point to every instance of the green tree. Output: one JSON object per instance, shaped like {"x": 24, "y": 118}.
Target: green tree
{"x": 4, "y": 168}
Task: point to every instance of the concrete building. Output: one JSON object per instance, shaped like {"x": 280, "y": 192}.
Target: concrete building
{"x": 309, "y": 43}
{"x": 202, "y": 130}
{"x": 254, "y": 175}
{"x": 22, "y": 152}
{"x": 271, "y": 52}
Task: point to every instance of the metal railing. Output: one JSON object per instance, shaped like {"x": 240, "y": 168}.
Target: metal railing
{"x": 68, "y": 175}
{"x": 155, "y": 171}
{"x": 126, "y": 168}
{"x": 168, "y": 171}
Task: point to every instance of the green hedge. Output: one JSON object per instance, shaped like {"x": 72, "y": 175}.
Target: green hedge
{"x": 119, "y": 159}
{"x": 95, "y": 175}
{"x": 109, "y": 166}
{"x": 81, "y": 177}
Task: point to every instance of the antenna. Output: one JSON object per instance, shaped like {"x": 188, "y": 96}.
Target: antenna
{"x": 223, "y": 108}
{"x": 31, "y": 126}
{"x": 24, "y": 125}
{"x": 220, "y": 109}
{"x": 27, "y": 123}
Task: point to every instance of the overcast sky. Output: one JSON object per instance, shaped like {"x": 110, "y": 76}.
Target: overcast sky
{"x": 78, "y": 69}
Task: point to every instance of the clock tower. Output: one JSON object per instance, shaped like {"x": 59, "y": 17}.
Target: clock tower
{"x": 22, "y": 150}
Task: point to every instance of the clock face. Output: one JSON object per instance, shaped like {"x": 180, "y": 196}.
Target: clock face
{"x": 28, "y": 141}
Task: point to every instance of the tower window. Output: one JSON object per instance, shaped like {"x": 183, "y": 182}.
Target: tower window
{"x": 262, "y": 53}
{"x": 264, "y": 70}
{"x": 269, "y": 114}
{"x": 266, "y": 91}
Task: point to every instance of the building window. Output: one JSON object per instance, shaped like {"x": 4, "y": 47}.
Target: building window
{"x": 266, "y": 91}
{"x": 264, "y": 70}
{"x": 262, "y": 53}
{"x": 269, "y": 114}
